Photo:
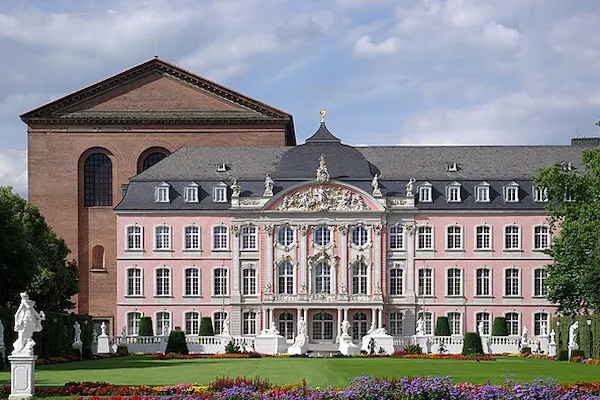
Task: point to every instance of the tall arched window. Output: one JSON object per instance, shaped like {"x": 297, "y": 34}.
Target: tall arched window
{"x": 98, "y": 257}
{"x": 97, "y": 180}
{"x": 151, "y": 156}
{"x": 152, "y": 159}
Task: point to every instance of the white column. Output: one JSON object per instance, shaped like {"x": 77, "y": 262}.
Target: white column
{"x": 343, "y": 267}
{"x": 302, "y": 230}
{"x": 269, "y": 257}
{"x": 409, "y": 229}
{"x": 339, "y": 321}
{"x": 379, "y": 318}
{"x": 265, "y": 318}
{"x": 235, "y": 262}
{"x": 376, "y": 257}
{"x": 345, "y": 313}
{"x": 374, "y": 316}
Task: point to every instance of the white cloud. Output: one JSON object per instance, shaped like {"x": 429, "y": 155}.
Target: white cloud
{"x": 495, "y": 34}
{"x": 13, "y": 170}
{"x": 366, "y": 47}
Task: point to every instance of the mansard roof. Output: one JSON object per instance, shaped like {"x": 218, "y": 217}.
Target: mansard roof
{"x": 92, "y": 104}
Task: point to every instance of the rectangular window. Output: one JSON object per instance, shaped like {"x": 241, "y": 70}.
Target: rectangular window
{"x": 511, "y": 282}
{"x": 219, "y": 319}
{"x": 220, "y": 194}
{"x": 453, "y": 194}
{"x": 192, "y": 282}
{"x": 248, "y": 235}
{"x": 359, "y": 278}
{"x": 395, "y": 320}
{"x": 483, "y": 282}
{"x": 162, "y": 194}
{"x": 455, "y": 321}
{"x": 511, "y": 194}
{"x": 220, "y": 238}
{"x": 541, "y": 237}
{"x": 249, "y": 282}
{"x": 425, "y": 282}
{"x": 454, "y": 237}
{"x": 425, "y": 194}
{"x": 540, "y": 195}
{"x": 220, "y": 282}
{"x": 192, "y": 238}
{"x": 134, "y": 238}
{"x": 482, "y": 194}
{"x": 396, "y": 284}
{"x": 483, "y": 320}
{"x": 163, "y": 237}
{"x": 512, "y": 323}
{"x": 397, "y": 238}
{"x": 454, "y": 282}
{"x": 163, "y": 282}
{"x": 539, "y": 320}
{"x": 427, "y": 318}
{"x": 191, "y": 194}
{"x": 483, "y": 237}
{"x": 163, "y": 323}
{"x": 285, "y": 278}
{"x": 539, "y": 284}
{"x": 192, "y": 323}
{"x": 512, "y": 237}
{"x": 249, "y": 323}
{"x": 134, "y": 282}
{"x": 425, "y": 238}
{"x": 133, "y": 323}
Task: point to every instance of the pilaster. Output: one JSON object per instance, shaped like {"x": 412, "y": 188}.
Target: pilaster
{"x": 377, "y": 259}
{"x": 235, "y": 264}
{"x": 269, "y": 257}
{"x": 343, "y": 258}
{"x": 302, "y": 230}
{"x": 409, "y": 228}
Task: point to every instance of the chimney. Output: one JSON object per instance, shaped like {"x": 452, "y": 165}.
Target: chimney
{"x": 585, "y": 141}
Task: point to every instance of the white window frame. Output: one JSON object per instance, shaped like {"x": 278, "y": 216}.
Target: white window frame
{"x": 220, "y": 194}
{"x": 223, "y": 287}
{"x": 430, "y": 234}
{"x": 451, "y": 237}
{"x": 249, "y": 239}
{"x": 453, "y": 325}
{"x": 162, "y": 193}
{"x": 427, "y": 317}
{"x": 197, "y": 235}
{"x": 325, "y": 276}
{"x": 510, "y": 293}
{"x": 159, "y": 327}
{"x": 543, "y": 289}
{"x": 518, "y": 235}
{"x": 395, "y": 323}
{"x": 453, "y": 193}
{"x": 133, "y": 325}
{"x": 285, "y": 278}
{"x": 534, "y": 322}
{"x": 451, "y": 288}
{"x": 249, "y": 320}
{"x": 194, "y": 324}
{"x": 283, "y": 233}
{"x": 541, "y": 237}
{"x": 218, "y": 322}
{"x": 511, "y": 193}
{"x": 362, "y": 238}
{"x": 487, "y": 326}
{"x": 224, "y": 235}
{"x": 482, "y": 193}
{"x": 489, "y": 235}
{"x": 168, "y": 236}
{"x": 425, "y": 193}
{"x": 540, "y": 195}
{"x": 360, "y": 277}
{"x": 512, "y": 330}
{"x": 395, "y": 237}
{"x": 198, "y": 278}
{"x": 324, "y": 228}
{"x": 141, "y": 281}
{"x": 431, "y": 293}
{"x": 139, "y": 234}
{"x": 169, "y": 280}
{"x": 191, "y": 193}
{"x": 395, "y": 288}
{"x": 249, "y": 282}
{"x": 489, "y": 278}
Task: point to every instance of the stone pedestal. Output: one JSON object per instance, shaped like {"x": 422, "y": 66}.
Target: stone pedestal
{"x": 77, "y": 346}
{"x": 270, "y": 344}
{"x": 103, "y": 344}
{"x": 22, "y": 376}
{"x": 347, "y": 347}
{"x": 552, "y": 349}
{"x": 300, "y": 346}
{"x": 572, "y": 346}
{"x": 544, "y": 342}
{"x": 422, "y": 341}
{"x": 384, "y": 343}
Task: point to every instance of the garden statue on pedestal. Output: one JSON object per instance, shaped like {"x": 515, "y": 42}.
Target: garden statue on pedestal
{"x": 544, "y": 329}
{"x": 524, "y": 336}
{"x": 346, "y": 346}
{"x": 103, "y": 329}
{"x": 300, "y": 345}
{"x": 420, "y": 331}
{"x": 27, "y": 321}
{"x": 552, "y": 337}
{"x": 77, "y": 329}
{"x": 225, "y": 329}
{"x": 573, "y": 335}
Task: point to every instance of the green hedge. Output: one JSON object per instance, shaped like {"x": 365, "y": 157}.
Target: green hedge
{"x": 442, "y": 327}
{"x": 206, "y": 327}
{"x": 472, "y": 344}
{"x": 145, "y": 328}
{"x": 499, "y": 328}
{"x": 176, "y": 343}
{"x": 583, "y": 333}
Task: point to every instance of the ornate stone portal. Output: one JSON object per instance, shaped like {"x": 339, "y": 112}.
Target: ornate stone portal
{"x": 323, "y": 198}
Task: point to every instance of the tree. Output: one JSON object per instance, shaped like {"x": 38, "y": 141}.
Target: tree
{"x": 574, "y": 214}
{"x": 33, "y": 257}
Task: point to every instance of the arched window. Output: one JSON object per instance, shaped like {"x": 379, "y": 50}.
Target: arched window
{"x": 359, "y": 325}
{"x": 286, "y": 325}
{"x": 152, "y": 159}
{"x": 97, "y": 180}
{"x": 98, "y": 257}
{"x": 322, "y": 278}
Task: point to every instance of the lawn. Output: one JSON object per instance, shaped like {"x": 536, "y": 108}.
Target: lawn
{"x": 321, "y": 372}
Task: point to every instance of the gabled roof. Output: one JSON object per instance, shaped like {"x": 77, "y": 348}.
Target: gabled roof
{"x": 234, "y": 107}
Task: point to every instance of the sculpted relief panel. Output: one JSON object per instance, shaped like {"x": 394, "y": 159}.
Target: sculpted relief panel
{"x": 323, "y": 198}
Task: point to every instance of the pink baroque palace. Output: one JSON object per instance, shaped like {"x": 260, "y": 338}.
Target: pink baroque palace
{"x": 380, "y": 236}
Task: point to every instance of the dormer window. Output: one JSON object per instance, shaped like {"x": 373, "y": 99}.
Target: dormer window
{"x": 220, "y": 194}
{"x": 191, "y": 193}
{"x": 452, "y": 167}
{"x": 482, "y": 192}
{"x": 511, "y": 192}
{"x": 453, "y": 193}
{"x": 425, "y": 193}
{"x": 161, "y": 193}
{"x": 222, "y": 167}
{"x": 540, "y": 194}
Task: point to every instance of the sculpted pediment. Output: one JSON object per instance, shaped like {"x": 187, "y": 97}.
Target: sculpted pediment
{"x": 324, "y": 197}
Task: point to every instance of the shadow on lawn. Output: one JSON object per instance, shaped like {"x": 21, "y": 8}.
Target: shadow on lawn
{"x": 121, "y": 363}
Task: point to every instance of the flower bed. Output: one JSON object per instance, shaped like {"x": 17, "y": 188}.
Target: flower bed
{"x": 482, "y": 357}
{"x": 583, "y": 360}
{"x": 364, "y": 388}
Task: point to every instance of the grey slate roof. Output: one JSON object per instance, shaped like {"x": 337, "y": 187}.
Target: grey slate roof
{"x": 497, "y": 165}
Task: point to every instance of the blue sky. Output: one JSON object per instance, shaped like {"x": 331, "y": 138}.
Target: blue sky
{"x": 388, "y": 71}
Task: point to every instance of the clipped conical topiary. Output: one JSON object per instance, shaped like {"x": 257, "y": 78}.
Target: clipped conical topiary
{"x": 176, "y": 343}
{"x": 442, "y": 327}
{"x": 145, "y": 327}
{"x": 472, "y": 344}
{"x": 499, "y": 328}
{"x": 206, "y": 327}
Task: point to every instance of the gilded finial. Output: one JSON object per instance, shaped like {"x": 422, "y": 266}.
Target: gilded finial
{"x": 322, "y": 113}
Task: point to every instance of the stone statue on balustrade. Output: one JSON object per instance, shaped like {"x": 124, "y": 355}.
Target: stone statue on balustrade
{"x": 524, "y": 335}
{"x": 27, "y": 321}
{"x": 77, "y": 330}
{"x": 225, "y": 329}
{"x": 543, "y": 329}
{"x": 420, "y": 330}
{"x": 552, "y": 337}
{"x": 103, "y": 329}
{"x": 573, "y": 335}
{"x": 480, "y": 328}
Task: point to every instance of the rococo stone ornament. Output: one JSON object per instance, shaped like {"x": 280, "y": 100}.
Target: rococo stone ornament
{"x": 323, "y": 198}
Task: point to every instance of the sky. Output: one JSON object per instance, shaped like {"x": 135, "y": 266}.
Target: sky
{"x": 388, "y": 72}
